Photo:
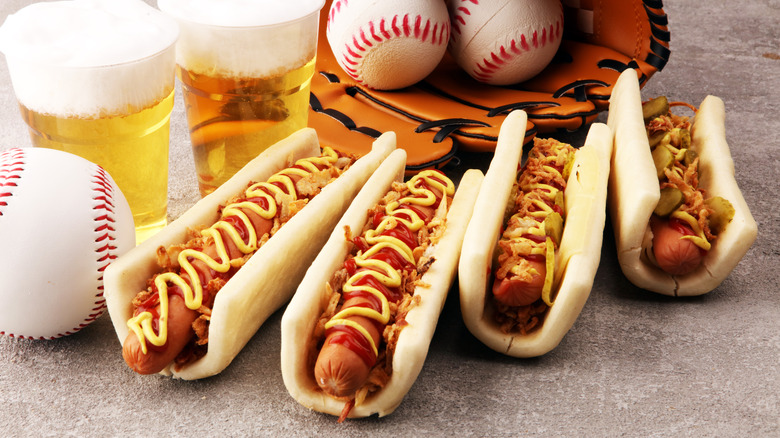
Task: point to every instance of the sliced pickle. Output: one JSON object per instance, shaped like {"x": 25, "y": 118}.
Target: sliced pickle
{"x": 656, "y": 138}
{"x": 568, "y": 166}
{"x": 690, "y": 156}
{"x": 663, "y": 159}
{"x": 685, "y": 138}
{"x": 654, "y": 108}
{"x": 671, "y": 199}
{"x": 549, "y": 259}
{"x": 722, "y": 214}
{"x": 553, "y": 227}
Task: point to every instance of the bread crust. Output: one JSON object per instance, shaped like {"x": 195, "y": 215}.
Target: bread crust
{"x": 634, "y": 193}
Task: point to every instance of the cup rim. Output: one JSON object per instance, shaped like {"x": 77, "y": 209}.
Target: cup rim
{"x": 37, "y": 61}
{"x": 172, "y": 12}
{"x": 15, "y": 51}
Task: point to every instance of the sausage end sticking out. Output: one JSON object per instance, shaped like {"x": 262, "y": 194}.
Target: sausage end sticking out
{"x": 354, "y": 340}
{"x": 339, "y": 372}
{"x": 514, "y": 291}
{"x": 674, "y": 255}
{"x": 180, "y": 332}
{"x": 180, "y": 317}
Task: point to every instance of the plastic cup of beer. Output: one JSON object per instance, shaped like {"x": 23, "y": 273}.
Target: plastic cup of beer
{"x": 245, "y": 70}
{"x": 96, "y": 78}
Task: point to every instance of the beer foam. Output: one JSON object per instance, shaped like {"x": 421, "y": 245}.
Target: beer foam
{"x": 244, "y": 38}
{"x": 65, "y": 57}
{"x": 237, "y": 13}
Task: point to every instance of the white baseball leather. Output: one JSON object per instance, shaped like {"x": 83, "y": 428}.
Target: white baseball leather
{"x": 62, "y": 221}
{"x": 388, "y": 45}
{"x": 502, "y": 42}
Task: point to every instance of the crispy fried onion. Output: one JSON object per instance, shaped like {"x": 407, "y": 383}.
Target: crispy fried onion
{"x": 542, "y": 178}
{"x": 682, "y": 176}
{"x": 380, "y": 373}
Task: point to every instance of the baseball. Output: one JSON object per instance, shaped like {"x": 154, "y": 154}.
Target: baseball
{"x": 505, "y": 42}
{"x": 62, "y": 221}
{"x": 388, "y": 45}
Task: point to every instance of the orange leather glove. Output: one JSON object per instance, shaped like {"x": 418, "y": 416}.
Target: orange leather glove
{"x": 449, "y": 110}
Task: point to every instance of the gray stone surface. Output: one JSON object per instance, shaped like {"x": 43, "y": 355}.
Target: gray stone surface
{"x": 634, "y": 364}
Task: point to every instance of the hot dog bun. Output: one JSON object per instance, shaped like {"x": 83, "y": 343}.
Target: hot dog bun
{"x": 578, "y": 256}
{"x": 634, "y": 193}
{"x": 311, "y": 298}
{"x": 269, "y": 277}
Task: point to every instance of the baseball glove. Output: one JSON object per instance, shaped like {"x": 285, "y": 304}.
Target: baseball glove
{"x": 449, "y": 110}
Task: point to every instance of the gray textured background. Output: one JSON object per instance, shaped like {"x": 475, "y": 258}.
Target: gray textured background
{"x": 634, "y": 364}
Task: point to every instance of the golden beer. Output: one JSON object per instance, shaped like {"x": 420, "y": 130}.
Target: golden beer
{"x": 132, "y": 148}
{"x": 96, "y": 78}
{"x": 232, "y": 120}
{"x": 245, "y": 69}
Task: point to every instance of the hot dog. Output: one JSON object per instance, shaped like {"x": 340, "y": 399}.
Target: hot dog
{"x": 187, "y": 300}
{"x": 387, "y": 256}
{"x": 681, "y": 223}
{"x": 356, "y": 333}
{"x": 533, "y": 245}
{"x": 195, "y": 272}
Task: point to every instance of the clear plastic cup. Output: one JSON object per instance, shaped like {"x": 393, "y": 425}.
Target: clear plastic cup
{"x": 96, "y": 78}
{"x": 245, "y": 68}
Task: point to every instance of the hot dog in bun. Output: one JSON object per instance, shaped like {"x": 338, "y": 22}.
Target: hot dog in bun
{"x": 681, "y": 223}
{"x": 357, "y": 331}
{"x": 533, "y": 245}
{"x": 187, "y": 300}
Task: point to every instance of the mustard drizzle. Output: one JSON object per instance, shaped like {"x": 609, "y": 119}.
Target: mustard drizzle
{"x": 379, "y": 269}
{"x": 699, "y": 239}
{"x": 142, "y": 324}
{"x": 546, "y": 192}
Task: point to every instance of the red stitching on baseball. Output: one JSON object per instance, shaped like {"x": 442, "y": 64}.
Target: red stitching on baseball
{"x": 456, "y": 17}
{"x": 105, "y": 233}
{"x": 523, "y": 43}
{"x": 365, "y": 39}
{"x": 485, "y": 70}
{"x": 335, "y": 9}
{"x": 349, "y": 50}
{"x": 385, "y": 33}
{"x": 490, "y": 64}
{"x": 376, "y": 33}
{"x": 102, "y": 186}
{"x": 356, "y": 44}
{"x": 412, "y": 30}
{"x": 11, "y": 166}
{"x": 394, "y": 26}
{"x": 373, "y": 32}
